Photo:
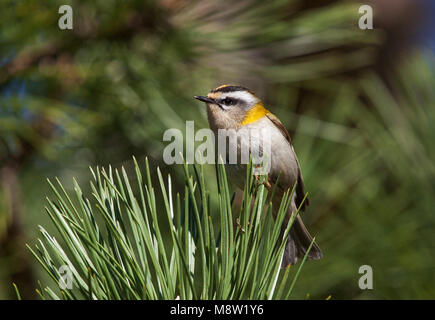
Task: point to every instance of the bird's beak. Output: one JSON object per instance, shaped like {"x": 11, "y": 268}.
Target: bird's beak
{"x": 205, "y": 99}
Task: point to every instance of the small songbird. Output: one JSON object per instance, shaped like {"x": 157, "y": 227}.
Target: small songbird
{"x": 238, "y": 108}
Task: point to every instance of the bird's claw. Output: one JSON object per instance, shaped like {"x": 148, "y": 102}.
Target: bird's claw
{"x": 266, "y": 183}
{"x": 240, "y": 226}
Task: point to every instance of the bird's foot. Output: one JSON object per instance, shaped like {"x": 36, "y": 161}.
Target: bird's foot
{"x": 259, "y": 182}
{"x": 240, "y": 226}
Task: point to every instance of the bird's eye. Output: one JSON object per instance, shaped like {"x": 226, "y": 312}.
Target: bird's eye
{"x": 229, "y": 101}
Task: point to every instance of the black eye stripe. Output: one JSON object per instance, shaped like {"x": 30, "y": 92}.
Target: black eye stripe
{"x": 229, "y": 101}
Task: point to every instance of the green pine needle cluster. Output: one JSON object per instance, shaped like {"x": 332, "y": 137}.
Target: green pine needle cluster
{"x": 118, "y": 245}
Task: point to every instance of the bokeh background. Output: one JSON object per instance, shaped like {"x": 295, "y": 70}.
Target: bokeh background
{"x": 359, "y": 104}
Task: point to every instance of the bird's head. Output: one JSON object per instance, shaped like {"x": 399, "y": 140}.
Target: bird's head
{"x": 231, "y": 106}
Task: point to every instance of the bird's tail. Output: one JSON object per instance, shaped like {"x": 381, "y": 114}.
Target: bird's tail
{"x": 298, "y": 241}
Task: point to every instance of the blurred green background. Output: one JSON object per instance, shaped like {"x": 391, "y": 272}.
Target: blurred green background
{"x": 359, "y": 104}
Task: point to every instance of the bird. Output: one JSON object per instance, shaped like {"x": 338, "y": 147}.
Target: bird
{"x": 237, "y": 109}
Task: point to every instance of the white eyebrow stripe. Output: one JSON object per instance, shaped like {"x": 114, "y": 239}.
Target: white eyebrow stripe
{"x": 241, "y": 95}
